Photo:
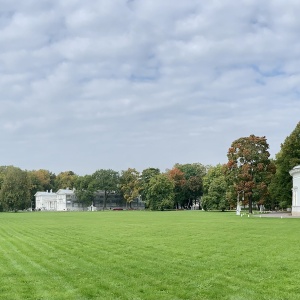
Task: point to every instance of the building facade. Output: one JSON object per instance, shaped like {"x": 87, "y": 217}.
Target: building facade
{"x": 65, "y": 200}
{"x": 62, "y": 200}
{"x": 295, "y": 172}
{"x": 45, "y": 201}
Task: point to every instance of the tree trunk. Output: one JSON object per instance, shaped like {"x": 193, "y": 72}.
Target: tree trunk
{"x": 250, "y": 204}
{"x": 105, "y": 199}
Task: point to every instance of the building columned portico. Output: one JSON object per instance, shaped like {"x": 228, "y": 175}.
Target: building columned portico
{"x": 62, "y": 200}
{"x": 65, "y": 200}
{"x": 295, "y": 172}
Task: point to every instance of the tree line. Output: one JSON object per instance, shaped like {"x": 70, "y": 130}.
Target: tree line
{"x": 251, "y": 176}
{"x": 249, "y": 173}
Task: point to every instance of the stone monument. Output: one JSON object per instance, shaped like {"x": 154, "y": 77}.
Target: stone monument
{"x": 295, "y": 172}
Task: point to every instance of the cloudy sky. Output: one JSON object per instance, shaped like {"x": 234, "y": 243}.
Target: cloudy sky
{"x": 94, "y": 84}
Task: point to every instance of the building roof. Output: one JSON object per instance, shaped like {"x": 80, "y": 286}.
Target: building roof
{"x": 65, "y": 192}
{"x": 295, "y": 170}
{"x": 45, "y": 194}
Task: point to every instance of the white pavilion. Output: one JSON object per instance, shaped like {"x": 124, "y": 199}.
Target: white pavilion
{"x": 295, "y": 172}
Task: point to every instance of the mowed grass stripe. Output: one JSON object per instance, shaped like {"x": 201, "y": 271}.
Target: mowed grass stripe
{"x": 148, "y": 255}
{"x": 63, "y": 265}
{"x": 59, "y": 264}
{"x": 64, "y": 272}
{"x": 151, "y": 272}
{"x": 33, "y": 270}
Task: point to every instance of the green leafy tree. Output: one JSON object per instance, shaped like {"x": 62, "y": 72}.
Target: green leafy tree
{"x": 65, "y": 180}
{"x": 84, "y": 190}
{"x": 3, "y": 172}
{"x": 105, "y": 180}
{"x": 146, "y": 175}
{"x": 130, "y": 185}
{"x": 286, "y": 159}
{"x": 215, "y": 189}
{"x": 15, "y": 190}
{"x": 249, "y": 168}
{"x": 193, "y": 187}
{"x": 177, "y": 176}
{"x": 160, "y": 194}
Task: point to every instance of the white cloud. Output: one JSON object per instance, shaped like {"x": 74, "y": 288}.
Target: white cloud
{"x": 145, "y": 83}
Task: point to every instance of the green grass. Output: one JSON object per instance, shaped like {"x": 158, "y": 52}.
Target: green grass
{"x": 148, "y": 255}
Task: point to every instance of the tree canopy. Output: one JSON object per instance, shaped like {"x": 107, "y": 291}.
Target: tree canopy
{"x": 249, "y": 168}
{"x": 286, "y": 159}
{"x": 145, "y": 177}
{"x": 65, "y": 180}
{"x": 15, "y": 190}
{"x": 84, "y": 191}
{"x": 106, "y": 180}
{"x": 41, "y": 180}
{"x": 160, "y": 193}
{"x": 177, "y": 176}
{"x": 215, "y": 189}
{"x": 130, "y": 185}
{"x": 193, "y": 184}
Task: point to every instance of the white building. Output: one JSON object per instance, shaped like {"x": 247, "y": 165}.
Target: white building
{"x": 62, "y": 200}
{"x": 66, "y": 200}
{"x": 45, "y": 201}
{"x": 295, "y": 172}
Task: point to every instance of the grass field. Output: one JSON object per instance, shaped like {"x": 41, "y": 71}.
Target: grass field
{"x": 148, "y": 255}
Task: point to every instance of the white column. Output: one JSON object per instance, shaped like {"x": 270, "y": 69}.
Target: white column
{"x": 295, "y": 172}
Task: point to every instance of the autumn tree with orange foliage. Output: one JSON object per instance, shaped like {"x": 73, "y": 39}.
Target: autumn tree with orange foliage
{"x": 188, "y": 182}
{"x": 249, "y": 168}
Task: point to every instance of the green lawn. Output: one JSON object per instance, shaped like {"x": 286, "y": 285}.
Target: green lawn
{"x": 148, "y": 255}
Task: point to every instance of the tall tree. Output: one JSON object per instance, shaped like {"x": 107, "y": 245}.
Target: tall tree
{"x": 130, "y": 185}
{"x": 249, "y": 167}
{"x": 84, "y": 190}
{"x": 177, "y": 176}
{"x": 15, "y": 190}
{"x": 160, "y": 194}
{"x": 215, "y": 189}
{"x": 105, "y": 180}
{"x": 193, "y": 187}
{"x": 146, "y": 175}
{"x": 3, "y": 172}
{"x": 65, "y": 180}
{"x": 287, "y": 158}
